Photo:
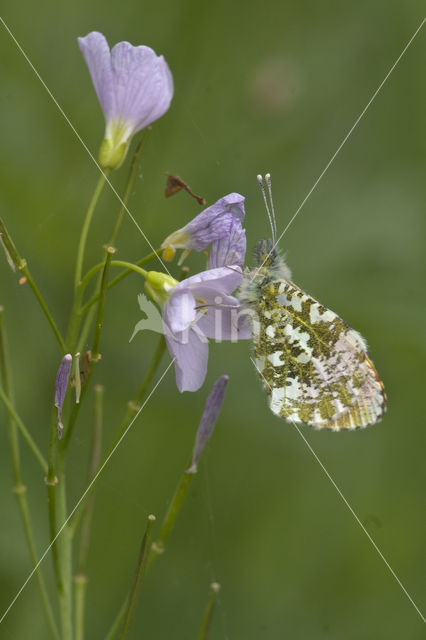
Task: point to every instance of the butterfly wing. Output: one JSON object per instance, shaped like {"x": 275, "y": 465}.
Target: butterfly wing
{"x": 314, "y": 367}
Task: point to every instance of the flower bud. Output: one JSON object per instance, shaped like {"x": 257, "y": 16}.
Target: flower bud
{"x": 158, "y": 286}
{"x": 209, "y": 418}
{"x": 62, "y": 378}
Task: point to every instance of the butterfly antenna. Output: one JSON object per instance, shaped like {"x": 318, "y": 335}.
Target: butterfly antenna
{"x": 271, "y": 216}
{"x": 274, "y": 220}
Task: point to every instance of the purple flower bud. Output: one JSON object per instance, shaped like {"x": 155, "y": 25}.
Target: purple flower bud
{"x": 209, "y": 418}
{"x": 212, "y": 224}
{"x": 62, "y": 378}
{"x": 134, "y": 87}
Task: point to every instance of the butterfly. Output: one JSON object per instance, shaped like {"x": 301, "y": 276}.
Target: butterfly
{"x": 314, "y": 367}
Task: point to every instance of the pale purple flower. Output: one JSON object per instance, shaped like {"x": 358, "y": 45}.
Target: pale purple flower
{"x": 134, "y": 87}
{"x": 62, "y": 378}
{"x": 199, "y": 308}
{"x": 220, "y": 226}
{"x": 209, "y": 418}
{"x": 231, "y": 249}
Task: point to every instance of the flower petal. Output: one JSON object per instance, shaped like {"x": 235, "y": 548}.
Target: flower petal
{"x": 143, "y": 84}
{"x": 191, "y": 356}
{"x": 215, "y": 222}
{"x": 224, "y": 319}
{"x": 95, "y": 50}
{"x": 179, "y": 311}
{"x": 134, "y": 85}
{"x": 223, "y": 280}
{"x": 231, "y": 249}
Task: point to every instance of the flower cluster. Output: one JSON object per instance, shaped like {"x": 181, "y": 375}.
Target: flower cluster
{"x": 135, "y": 87}
{"x": 202, "y": 306}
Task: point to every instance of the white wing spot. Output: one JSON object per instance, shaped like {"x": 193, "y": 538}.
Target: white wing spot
{"x": 275, "y": 359}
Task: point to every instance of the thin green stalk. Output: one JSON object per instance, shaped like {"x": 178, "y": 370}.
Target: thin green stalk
{"x": 86, "y": 226}
{"x": 129, "y": 265}
{"x": 19, "y": 489}
{"x": 129, "y": 185}
{"x": 101, "y": 305}
{"x": 117, "y": 622}
{"x": 132, "y": 409}
{"x": 22, "y": 266}
{"x": 80, "y": 579}
{"x": 87, "y": 325}
{"x": 140, "y": 572}
{"x": 61, "y": 546}
{"x": 74, "y": 415}
{"x": 208, "y": 611}
{"x": 65, "y": 557}
{"x": 117, "y": 279}
{"x": 23, "y": 429}
{"x": 134, "y": 405}
{"x": 159, "y": 545}
{"x": 77, "y": 311}
{"x": 94, "y": 355}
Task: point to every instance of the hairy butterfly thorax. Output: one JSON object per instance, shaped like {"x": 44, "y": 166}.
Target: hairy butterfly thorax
{"x": 313, "y": 365}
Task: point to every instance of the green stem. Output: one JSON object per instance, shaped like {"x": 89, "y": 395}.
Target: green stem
{"x": 118, "y": 278}
{"x": 23, "y": 429}
{"x": 130, "y": 266}
{"x": 117, "y": 622}
{"x": 101, "y": 305}
{"x": 19, "y": 489}
{"x": 65, "y": 558}
{"x": 115, "y": 263}
{"x": 129, "y": 185}
{"x": 132, "y": 409}
{"x": 22, "y": 266}
{"x": 158, "y": 547}
{"x": 86, "y": 225}
{"x": 134, "y": 405}
{"x": 60, "y": 548}
{"x": 208, "y": 611}
{"x": 140, "y": 572}
{"x": 80, "y": 580}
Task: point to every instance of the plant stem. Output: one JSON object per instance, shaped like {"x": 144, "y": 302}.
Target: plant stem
{"x": 131, "y": 266}
{"x": 21, "y": 265}
{"x": 61, "y": 550}
{"x": 86, "y": 225}
{"x": 23, "y": 429}
{"x": 208, "y": 611}
{"x": 129, "y": 185}
{"x": 158, "y": 547}
{"x": 19, "y": 489}
{"x": 140, "y": 572}
{"x": 134, "y": 405}
{"x": 101, "y": 305}
{"x": 133, "y": 408}
{"x": 80, "y": 579}
{"x": 117, "y": 279}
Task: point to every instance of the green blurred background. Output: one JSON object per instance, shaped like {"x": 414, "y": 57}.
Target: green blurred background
{"x": 271, "y": 86}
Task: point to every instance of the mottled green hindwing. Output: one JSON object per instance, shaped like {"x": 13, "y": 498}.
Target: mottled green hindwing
{"x": 314, "y": 367}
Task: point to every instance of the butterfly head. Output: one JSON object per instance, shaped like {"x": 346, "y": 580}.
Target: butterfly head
{"x": 269, "y": 261}
{"x": 265, "y": 253}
